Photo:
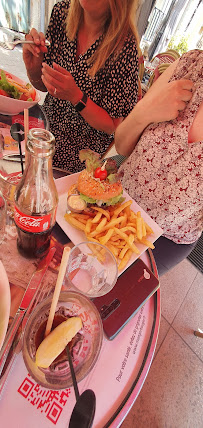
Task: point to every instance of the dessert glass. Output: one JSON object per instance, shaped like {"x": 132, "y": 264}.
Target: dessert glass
{"x": 84, "y": 350}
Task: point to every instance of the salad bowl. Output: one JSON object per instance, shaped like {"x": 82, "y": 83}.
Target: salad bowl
{"x": 10, "y": 105}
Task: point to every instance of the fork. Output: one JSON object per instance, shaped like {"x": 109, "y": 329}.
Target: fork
{"x": 44, "y": 292}
{"x": 10, "y": 45}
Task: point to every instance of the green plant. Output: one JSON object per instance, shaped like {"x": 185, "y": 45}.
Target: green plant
{"x": 180, "y": 45}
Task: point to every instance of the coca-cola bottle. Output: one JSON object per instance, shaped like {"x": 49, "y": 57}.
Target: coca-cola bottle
{"x": 36, "y": 196}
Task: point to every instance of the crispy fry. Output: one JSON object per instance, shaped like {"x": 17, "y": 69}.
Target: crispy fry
{"x": 148, "y": 229}
{"x": 147, "y": 243}
{"x": 144, "y": 232}
{"x": 97, "y": 218}
{"x": 116, "y": 227}
{"x": 97, "y": 253}
{"x": 131, "y": 238}
{"x": 125, "y": 260}
{"x": 115, "y": 237}
{"x": 111, "y": 223}
{"x": 81, "y": 220}
{"x": 125, "y": 237}
{"x": 123, "y": 251}
{"x": 113, "y": 249}
{"x": 124, "y": 221}
{"x": 128, "y": 229}
{"x": 80, "y": 216}
{"x": 88, "y": 226}
{"x": 127, "y": 210}
{"x": 139, "y": 227}
{"x": 104, "y": 212}
{"x": 74, "y": 222}
{"x": 133, "y": 216}
{"x": 122, "y": 207}
{"x": 89, "y": 238}
{"x": 101, "y": 225}
{"x": 106, "y": 237}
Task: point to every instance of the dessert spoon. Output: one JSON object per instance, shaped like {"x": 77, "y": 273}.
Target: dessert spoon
{"x": 84, "y": 410}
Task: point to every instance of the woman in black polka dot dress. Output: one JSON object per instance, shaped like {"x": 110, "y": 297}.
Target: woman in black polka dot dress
{"x": 90, "y": 72}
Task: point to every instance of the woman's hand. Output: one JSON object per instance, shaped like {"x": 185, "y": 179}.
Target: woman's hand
{"x": 33, "y": 54}
{"x": 161, "y": 103}
{"x": 164, "y": 102}
{"x": 60, "y": 83}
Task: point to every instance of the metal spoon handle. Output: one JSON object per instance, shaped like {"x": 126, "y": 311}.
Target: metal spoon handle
{"x": 46, "y": 42}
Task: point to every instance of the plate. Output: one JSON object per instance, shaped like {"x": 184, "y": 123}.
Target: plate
{"x": 77, "y": 236}
{"x": 12, "y": 106}
{"x": 5, "y": 303}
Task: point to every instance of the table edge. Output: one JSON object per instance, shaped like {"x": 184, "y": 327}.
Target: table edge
{"x": 118, "y": 417}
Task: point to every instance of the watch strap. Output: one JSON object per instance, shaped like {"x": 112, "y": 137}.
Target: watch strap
{"x": 82, "y": 103}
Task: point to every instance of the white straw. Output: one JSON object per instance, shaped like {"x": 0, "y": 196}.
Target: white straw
{"x": 62, "y": 271}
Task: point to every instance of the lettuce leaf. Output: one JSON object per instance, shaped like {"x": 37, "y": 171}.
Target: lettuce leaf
{"x": 87, "y": 199}
{"x": 111, "y": 201}
{"x": 92, "y": 159}
{"x": 11, "y": 90}
{"x": 115, "y": 200}
{"x": 113, "y": 178}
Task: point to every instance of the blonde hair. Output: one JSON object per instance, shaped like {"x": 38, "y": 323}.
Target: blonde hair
{"x": 120, "y": 20}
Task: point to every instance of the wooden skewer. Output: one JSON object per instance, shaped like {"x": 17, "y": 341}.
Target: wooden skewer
{"x": 26, "y": 130}
{"x": 62, "y": 271}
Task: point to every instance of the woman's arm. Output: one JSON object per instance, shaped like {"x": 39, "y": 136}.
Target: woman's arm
{"x": 61, "y": 84}
{"x": 161, "y": 103}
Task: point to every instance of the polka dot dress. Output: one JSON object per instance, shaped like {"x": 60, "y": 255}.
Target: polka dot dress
{"x": 164, "y": 173}
{"x": 114, "y": 88}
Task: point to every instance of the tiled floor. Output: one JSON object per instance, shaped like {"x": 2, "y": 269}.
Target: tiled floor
{"x": 172, "y": 394}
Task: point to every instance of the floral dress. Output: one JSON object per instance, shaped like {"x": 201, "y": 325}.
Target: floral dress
{"x": 114, "y": 88}
{"x": 164, "y": 173}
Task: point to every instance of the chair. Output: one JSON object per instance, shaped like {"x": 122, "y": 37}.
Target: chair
{"x": 157, "y": 72}
{"x": 141, "y": 67}
{"x": 165, "y": 57}
{"x": 174, "y": 53}
{"x": 139, "y": 94}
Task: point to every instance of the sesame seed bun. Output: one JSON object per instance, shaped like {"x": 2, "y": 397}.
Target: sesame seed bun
{"x": 96, "y": 189}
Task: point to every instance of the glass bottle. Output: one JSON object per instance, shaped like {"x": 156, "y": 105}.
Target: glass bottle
{"x": 36, "y": 196}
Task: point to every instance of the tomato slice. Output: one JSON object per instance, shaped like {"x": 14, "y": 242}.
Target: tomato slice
{"x": 2, "y": 92}
{"x": 33, "y": 93}
{"x": 8, "y": 75}
{"x": 23, "y": 97}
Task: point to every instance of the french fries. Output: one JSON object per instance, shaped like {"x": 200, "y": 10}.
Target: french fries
{"x": 117, "y": 227}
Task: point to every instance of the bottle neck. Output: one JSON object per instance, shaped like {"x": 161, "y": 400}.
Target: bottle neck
{"x": 39, "y": 166}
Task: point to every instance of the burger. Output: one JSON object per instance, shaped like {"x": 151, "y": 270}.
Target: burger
{"x": 99, "y": 184}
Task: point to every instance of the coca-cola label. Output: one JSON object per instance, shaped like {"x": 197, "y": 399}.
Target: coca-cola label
{"x": 31, "y": 223}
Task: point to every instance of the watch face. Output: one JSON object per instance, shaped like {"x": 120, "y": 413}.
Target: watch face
{"x": 80, "y": 106}
{"x": 82, "y": 103}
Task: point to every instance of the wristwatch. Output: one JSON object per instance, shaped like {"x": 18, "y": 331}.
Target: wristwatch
{"x": 82, "y": 103}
